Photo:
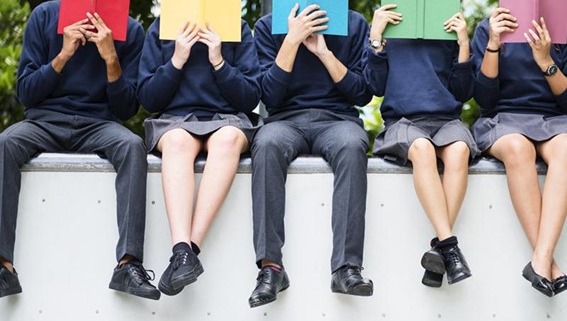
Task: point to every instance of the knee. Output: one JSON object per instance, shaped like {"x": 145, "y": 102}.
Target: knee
{"x": 264, "y": 141}
{"x": 518, "y": 151}
{"x": 456, "y": 156}
{"x": 422, "y": 150}
{"x": 175, "y": 141}
{"x": 228, "y": 139}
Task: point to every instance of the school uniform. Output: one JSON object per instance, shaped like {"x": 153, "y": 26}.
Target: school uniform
{"x": 519, "y": 100}
{"x": 76, "y": 110}
{"x": 424, "y": 88}
{"x": 198, "y": 98}
{"x": 310, "y": 114}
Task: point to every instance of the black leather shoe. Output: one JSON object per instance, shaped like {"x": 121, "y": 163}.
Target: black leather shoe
{"x": 348, "y": 280}
{"x": 269, "y": 283}
{"x": 559, "y": 284}
{"x": 432, "y": 260}
{"x": 9, "y": 283}
{"x": 132, "y": 278}
{"x": 538, "y": 282}
{"x": 183, "y": 269}
{"x": 456, "y": 266}
{"x": 432, "y": 279}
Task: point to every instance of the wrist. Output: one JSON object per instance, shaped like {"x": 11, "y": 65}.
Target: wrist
{"x": 544, "y": 64}
{"x": 177, "y": 63}
{"x": 493, "y": 44}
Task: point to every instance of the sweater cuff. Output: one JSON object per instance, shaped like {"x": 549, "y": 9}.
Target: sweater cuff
{"x": 465, "y": 66}
{"x": 116, "y": 87}
{"x": 486, "y": 81}
{"x": 376, "y": 60}
{"x": 345, "y": 85}
{"x": 171, "y": 73}
{"x": 49, "y": 74}
{"x": 279, "y": 74}
{"x": 224, "y": 73}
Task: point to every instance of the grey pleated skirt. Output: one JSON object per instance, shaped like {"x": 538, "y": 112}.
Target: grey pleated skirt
{"x": 393, "y": 144}
{"x": 155, "y": 128}
{"x": 486, "y": 131}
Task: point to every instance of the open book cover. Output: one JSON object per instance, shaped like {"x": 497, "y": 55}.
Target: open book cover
{"x": 224, "y": 17}
{"x": 337, "y": 12}
{"x": 114, "y": 13}
{"x": 553, "y": 11}
{"x": 423, "y": 19}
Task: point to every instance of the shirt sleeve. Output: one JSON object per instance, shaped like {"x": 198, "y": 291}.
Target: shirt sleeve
{"x": 562, "y": 98}
{"x": 486, "y": 89}
{"x": 376, "y": 71}
{"x": 274, "y": 81}
{"x": 36, "y": 77}
{"x": 353, "y": 85}
{"x": 462, "y": 78}
{"x": 158, "y": 80}
{"x": 121, "y": 93}
{"x": 239, "y": 83}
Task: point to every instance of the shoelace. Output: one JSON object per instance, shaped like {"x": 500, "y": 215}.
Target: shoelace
{"x": 452, "y": 257}
{"x": 180, "y": 258}
{"x": 141, "y": 275}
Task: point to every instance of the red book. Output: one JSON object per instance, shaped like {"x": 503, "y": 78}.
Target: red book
{"x": 114, "y": 13}
{"x": 553, "y": 11}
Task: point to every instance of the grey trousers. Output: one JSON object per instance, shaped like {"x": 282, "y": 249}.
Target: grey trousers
{"x": 343, "y": 144}
{"x": 65, "y": 133}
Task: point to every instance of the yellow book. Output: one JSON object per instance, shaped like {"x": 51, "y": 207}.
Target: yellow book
{"x": 222, "y": 15}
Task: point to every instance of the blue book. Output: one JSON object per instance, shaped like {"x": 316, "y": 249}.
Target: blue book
{"x": 337, "y": 12}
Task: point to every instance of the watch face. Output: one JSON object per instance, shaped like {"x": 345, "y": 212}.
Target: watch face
{"x": 552, "y": 70}
{"x": 376, "y": 43}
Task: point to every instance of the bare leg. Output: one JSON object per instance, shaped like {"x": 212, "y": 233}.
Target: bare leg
{"x": 455, "y": 158}
{"x": 179, "y": 150}
{"x": 224, "y": 148}
{"x": 518, "y": 155}
{"x": 554, "y": 204}
{"x": 428, "y": 186}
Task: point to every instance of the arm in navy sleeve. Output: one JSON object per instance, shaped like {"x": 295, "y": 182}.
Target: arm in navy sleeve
{"x": 158, "y": 80}
{"x": 239, "y": 84}
{"x": 376, "y": 71}
{"x": 462, "y": 78}
{"x": 353, "y": 86}
{"x": 562, "y": 99}
{"x": 274, "y": 81}
{"x": 36, "y": 77}
{"x": 486, "y": 90}
{"x": 122, "y": 92}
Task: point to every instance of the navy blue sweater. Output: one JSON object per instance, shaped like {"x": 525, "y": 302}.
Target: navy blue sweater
{"x": 82, "y": 87}
{"x": 419, "y": 77}
{"x": 309, "y": 85}
{"x": 198, "y": 88}
{"x": 520, "y": 86}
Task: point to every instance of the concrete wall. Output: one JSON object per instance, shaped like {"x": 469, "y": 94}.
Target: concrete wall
{"x": 67, "y": 233}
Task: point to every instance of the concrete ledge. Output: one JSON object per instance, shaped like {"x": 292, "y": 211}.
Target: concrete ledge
{"x": 67, "y": 232}
{"x": 59, "y": 162}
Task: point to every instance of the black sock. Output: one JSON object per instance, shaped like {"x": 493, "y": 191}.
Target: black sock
{"x": 434, "y": 242}
{"x": 182, "y": 246}
{"x": 195, "y": 248}
{"x": 448, "y": 242}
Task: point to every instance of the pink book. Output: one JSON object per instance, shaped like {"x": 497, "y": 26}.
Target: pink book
{"x": 525, "y": 11}
{"x": 114, "y": 13}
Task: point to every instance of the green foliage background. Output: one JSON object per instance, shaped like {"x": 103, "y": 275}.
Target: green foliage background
{"x": 14, "y": 14}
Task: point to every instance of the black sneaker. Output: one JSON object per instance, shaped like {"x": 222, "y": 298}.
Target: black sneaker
{"x": 269, "y": 283}
{"x": 348, "y": 280}
{"x": 132, "y": 278}
{"x": 183, "y": 269}
{"x": 455, "y": 264}
{"x": 9, "y": 283}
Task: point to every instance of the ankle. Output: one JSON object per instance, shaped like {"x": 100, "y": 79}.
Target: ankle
{"x": 7, "y": 265}
{"x": 268, "y": 263}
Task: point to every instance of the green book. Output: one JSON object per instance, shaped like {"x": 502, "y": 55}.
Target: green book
{"x": 422, "y": 19}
